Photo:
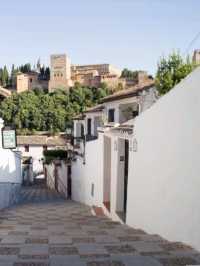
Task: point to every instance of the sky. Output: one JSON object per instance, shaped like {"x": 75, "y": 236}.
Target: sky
{"x": 126, "y": 33}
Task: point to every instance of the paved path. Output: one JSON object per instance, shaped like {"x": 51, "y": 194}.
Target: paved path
{"x": 64, "y": 233}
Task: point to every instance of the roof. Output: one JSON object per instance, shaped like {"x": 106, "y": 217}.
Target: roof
{"x": 79, "y": 117}
{"x": 42, "y": 140}
{"x": 129, "y": 92}
{"x": 31, "y": 73}
{"x": 94, "y": 109}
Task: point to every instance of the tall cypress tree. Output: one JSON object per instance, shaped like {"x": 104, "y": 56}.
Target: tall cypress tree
{"x": 5, "y": 77}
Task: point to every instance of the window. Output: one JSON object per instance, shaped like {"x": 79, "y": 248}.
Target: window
{"x": 26, "y": 147}
{"x": 44, "y": 147}
{"x": 89, "y": 126}
{"x": 111, "y": 115}
{"x": 82, "y": 131}
{"x": 31, "y": 80}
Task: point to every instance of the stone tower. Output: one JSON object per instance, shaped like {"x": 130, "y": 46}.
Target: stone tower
{"x": 60, "y": 77}
{"x": 196, "y": 57}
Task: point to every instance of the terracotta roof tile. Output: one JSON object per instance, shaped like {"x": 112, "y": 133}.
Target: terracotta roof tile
{"x": 126, "y": 93}
{"x": 42, "y": 140}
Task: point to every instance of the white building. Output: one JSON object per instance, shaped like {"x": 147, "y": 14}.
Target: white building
{"x": 164, "y": 182}
{"x": 34, "y": 146}
{"x": 145, "y": 171}
{"x": 10, "y": 174}
{"x": 91, "y": 172}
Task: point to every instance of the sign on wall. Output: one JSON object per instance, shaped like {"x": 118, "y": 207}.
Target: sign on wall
{"x": 9, "y": 140}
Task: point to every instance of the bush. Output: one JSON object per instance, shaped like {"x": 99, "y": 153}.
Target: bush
{"x": 50, "y": 155}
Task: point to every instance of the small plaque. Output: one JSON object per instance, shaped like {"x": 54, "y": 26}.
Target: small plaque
{"x": 121, "y": 158}
{"x": 135, "y": 145}
{"x": 9, "y": 139}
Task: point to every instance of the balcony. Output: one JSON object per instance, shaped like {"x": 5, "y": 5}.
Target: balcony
{"x": 90, "y": 138}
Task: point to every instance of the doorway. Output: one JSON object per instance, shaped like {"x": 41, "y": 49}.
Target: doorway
{"x": 126, "y": 164}
{"x": 89, "y": 126}
{"x": 69, "y": 182}
{"x": 122, "y": 178}
{"x": 107, "y": 173}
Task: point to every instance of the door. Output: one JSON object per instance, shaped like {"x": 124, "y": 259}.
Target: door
{"x": 56, "y": 178}
{"x": 126, "y": 159}
{"x": 69, "y": 182}
{"x": 89, "y": 126}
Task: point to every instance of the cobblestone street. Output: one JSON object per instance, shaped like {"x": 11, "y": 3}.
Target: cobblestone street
{"x": 57, "y": 232}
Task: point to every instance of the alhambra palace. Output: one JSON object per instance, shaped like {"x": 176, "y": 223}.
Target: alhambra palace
{"x": 64, "y": 75}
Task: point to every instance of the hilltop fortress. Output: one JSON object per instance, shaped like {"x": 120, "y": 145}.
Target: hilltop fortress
{"x": 64, "y": 75}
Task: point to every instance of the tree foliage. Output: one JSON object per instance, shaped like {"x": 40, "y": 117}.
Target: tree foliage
{"x": 171, "y": 71}
{"x": 44, "y": 73}
{"x": 25, "y": 68}
{"x": 126, "y": 73}
{"x": 4, "y": 77}
{"x": 36, "y": 110}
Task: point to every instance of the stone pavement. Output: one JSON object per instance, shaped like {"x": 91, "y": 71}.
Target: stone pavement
{"x": 65, "y": 233}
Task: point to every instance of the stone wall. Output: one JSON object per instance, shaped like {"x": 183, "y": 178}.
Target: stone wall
{"x": 9, "y": 194}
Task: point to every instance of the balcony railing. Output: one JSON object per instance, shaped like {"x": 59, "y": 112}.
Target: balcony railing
{"x": 91, "y": 137}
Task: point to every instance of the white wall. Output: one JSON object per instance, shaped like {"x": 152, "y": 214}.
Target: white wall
{"x": 10, "y": 175}
{"x": 107, "y": 169}
{"x": 84, "y": 175}
{"x": 62, "y": 173}
{"x": 10, "y": 163}
{"x": 36, "y": 152}
{"x": 164, "y": 181}
{"x": 145, "y": 100}
{"x": 62, "y": 176}
{"x": 10, "y": 166}
{"x": 95, "y": 117}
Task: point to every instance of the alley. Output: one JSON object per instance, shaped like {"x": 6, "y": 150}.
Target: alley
{"x": 56, "y": 232}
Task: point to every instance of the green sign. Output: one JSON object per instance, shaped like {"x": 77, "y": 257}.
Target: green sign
{"x": 9, "y": 139}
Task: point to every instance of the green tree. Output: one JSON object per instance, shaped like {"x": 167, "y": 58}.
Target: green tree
{"x": 25, "y": 68}
{"x": 4, "y": 77}
{"x": 126, "y": 73}
{"x": 37, "y": 110}
{"x": 171, "y": 71}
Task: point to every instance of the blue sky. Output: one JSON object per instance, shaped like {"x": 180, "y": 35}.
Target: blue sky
{"x": 125, "y": 33}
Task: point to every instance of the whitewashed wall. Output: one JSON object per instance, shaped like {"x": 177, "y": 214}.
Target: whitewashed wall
{"x": 10, "y": 163}
{"x": 84, "y": 175}
{"x": 164, "y": 180}
{"x": 10, "y": 175}
{"x": 50, "y": 168}
{"x": 62, "y": 176}
{"x": 145, "y": 100}
{"x": 10, "y": 166}
{"x": 36, "y": 152}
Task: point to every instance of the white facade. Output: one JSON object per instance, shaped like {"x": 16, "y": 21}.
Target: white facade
{"x": 123, "y": 108}
{"x": 163, "y": 166}
{"x": 87, "y": 178}
{"x": 36, "y": 152}
{"x": 164, "y": 183}
{"x": 10, "y": 174}
{"x": 93, "y": 176}
{"x": 61, "y": 175}
{"x": 10, "y": 163}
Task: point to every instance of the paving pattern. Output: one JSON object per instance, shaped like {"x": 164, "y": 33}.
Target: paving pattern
{"x": 63, "y": 233}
